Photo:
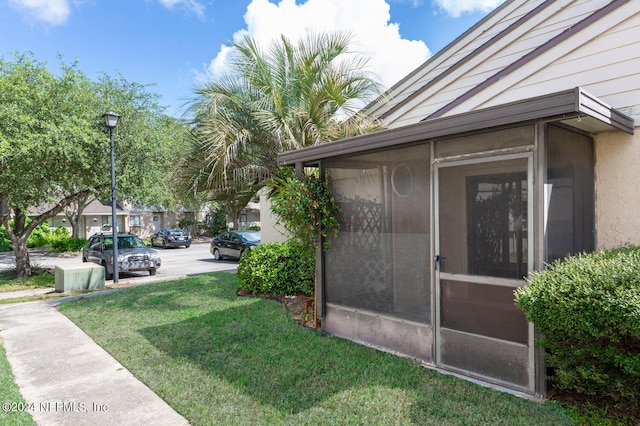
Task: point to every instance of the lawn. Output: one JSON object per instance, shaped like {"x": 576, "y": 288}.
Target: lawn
{"x": 40, "y": 279}
{"x": 14, "y": 409}
{"x": 218, "y": 358}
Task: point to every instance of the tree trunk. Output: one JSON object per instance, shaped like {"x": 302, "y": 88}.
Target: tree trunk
{"x": 19, "y": 232}
{"x": 74, "y": 215}
{"x": 23, "y": 264}
{"x": 18, "y": 235}
{"x": 235, "y": 217}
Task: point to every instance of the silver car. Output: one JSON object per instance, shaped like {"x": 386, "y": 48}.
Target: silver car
{"x": 133, "y": 254}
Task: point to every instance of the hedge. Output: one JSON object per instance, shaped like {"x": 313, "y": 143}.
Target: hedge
{"x": 277, "y": 269}
{"x": 587, "y": 309}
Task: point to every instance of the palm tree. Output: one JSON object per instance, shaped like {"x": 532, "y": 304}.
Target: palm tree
{"x": 285, "y": 98}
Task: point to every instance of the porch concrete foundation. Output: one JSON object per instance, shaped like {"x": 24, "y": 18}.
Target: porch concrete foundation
{"x": 85, "y": 276}
{"x": 393, "y": 334}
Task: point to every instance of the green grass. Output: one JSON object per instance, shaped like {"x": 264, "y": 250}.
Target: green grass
{"x": 40, "y": 279}
{"x": 13, "y": 413}
{"x": 222, "y": 359}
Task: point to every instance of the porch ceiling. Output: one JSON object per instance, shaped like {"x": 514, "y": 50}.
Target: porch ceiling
{"x": 574, "y": 107}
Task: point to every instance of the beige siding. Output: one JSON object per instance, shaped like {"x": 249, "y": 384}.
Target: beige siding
{"x": 617, "y": 189}
{"x": 474, "y": 39}
{"x": 603, "y": 59}
{"x": 146, "y": 224}
{"x": 552, "y": 21}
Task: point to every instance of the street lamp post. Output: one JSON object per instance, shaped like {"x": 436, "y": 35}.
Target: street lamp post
{"x": 111, "y": 119}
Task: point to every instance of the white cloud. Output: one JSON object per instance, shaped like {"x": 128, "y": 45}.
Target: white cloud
{"x": 53, "y": 12}
{"x": 456, "y": 8}
{"x": 390, "y": 56}
{"x": 56, "y": 12}
{"x": 190, "y": 5}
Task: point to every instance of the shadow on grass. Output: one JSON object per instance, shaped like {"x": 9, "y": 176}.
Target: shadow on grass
{"x": 210, "y": 345}
{"x": 165, "y": 296}
{"x": 274, "y": 360}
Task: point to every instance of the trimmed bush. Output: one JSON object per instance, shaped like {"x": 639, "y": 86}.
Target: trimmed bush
{"x": 587, "y": 309}
{"x": 68, "y": 244}
{"x": 278, "y": 269}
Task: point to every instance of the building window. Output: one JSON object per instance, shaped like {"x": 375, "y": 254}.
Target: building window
{"x": 134, "y": 220}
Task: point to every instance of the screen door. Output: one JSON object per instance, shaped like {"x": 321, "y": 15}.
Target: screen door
{"x": 483, "y": 247}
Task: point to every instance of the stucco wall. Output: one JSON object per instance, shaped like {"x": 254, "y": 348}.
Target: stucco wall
{"x": 270, "y": 231}
{"x": 617, "y": 189}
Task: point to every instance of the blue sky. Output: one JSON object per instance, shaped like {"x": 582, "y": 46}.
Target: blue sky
{"x": 175, "y": 45}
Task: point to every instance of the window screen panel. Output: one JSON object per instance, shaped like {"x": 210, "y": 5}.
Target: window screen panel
{"x": 570, "y": 226}
{"x": 380, "y": 261}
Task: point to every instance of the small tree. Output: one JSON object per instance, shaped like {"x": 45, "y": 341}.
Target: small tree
{"x": 289, "y": 96}
{"x": 305, "y": 207}
{"x": 61, "y": 159}
{"x": 217, "y": 220}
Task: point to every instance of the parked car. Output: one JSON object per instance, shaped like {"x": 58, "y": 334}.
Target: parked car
{"x": 234, "y": 244}
{"x": 171, "y": 238}
{"x": 133, "y": 254}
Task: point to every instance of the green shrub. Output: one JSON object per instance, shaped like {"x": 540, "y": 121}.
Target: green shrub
{"x": 5, "y": 242}
{"x": 36, "y": 239}
{"x": 59, "y": 239}
{"x": 40, "y": 236}
{"x": 216, "y": 222}
{"x": 185, "y": 222}
{"x": 305, "y": 207}
{"x": 277, "y": 268}
{"x": 68, "y": 244}
{"x": 587, "y": 309}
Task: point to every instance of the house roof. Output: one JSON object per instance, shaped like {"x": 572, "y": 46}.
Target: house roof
{"x": 95, "y": 207}
{"x": 575, "y": 108}
{"x": 524, "y": 49}
{"x": 569, "y": 61}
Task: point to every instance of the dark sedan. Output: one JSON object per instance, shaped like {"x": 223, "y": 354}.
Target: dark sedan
{"x": 233, "y": 244}
{"x": 171, "y": 238}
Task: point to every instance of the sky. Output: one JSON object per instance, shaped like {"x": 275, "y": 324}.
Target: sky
{"x": 175, "y": 46}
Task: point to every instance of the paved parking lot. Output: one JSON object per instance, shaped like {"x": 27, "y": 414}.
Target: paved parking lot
{"x": 176, "y": 262}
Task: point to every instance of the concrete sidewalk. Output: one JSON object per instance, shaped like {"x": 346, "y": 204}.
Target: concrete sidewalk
{"x": 67, "y": 378}
{"x": 26, "y": 293}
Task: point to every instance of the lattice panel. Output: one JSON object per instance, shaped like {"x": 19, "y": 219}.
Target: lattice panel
{"x": 361, "y": 253}
{"x": 363, "y": 219}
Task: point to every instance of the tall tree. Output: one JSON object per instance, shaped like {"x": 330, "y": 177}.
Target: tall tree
{"x": 287, "y": 97}
{"x": 54, "y": 145}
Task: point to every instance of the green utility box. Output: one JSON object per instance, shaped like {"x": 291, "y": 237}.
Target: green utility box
{"x": 85, "y": 276}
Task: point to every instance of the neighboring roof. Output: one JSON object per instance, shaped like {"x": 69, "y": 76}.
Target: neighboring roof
{"x": 575, "y": 108}
{"x": 97, "y": 207}
{"x": 94, "y": 208}
{"x": 524, "y": 49}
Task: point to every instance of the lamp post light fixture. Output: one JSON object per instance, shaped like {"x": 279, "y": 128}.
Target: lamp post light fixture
{"x": 111, "y": 119}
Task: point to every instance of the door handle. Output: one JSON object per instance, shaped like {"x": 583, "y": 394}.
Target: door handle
{"x": 436, "y": 261}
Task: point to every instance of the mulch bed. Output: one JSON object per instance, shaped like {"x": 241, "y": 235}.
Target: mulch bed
{"x": 300, "y": 307}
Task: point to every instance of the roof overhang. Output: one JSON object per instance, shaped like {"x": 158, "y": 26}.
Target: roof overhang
{"x": 575, "y": 108}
